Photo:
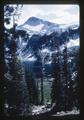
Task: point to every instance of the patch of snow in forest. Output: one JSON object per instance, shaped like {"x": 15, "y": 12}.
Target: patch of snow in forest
{"x": 74, "y": 75}
{"x": 6, "y": 105}
{"x": 69, "y": 60}
{"x": 29, "y": 55}
{"x": 7, "y": 49}
{"x": 24, "y": 43}
{"x": 51, "y": 79}
{"x": 39, "y": 109}
{"x": 62, "y": 113}
{"x": 49, "y": 62}
{"x": 29, "y": 58}
{"x": 45, "y": 50}
{"x": 32, "y": 59}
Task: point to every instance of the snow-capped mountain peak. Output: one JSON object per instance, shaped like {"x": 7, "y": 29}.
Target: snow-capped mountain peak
{"x": 36, "y": 25}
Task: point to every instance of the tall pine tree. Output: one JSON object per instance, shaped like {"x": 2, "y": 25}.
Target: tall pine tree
{"x": 31, "y": 87}
{"x": 56, "y": 85}
{"x": 16, "y": 96}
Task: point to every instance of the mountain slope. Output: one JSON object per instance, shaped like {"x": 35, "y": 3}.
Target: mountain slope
{"x": 40, "y": 35}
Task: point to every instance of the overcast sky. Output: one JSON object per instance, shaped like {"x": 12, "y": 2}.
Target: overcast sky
{"x": 61, "y": 14}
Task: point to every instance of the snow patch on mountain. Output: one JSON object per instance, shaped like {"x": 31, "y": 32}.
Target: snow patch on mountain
{"x": 32, "y": 59}
{"x": 72, "y": 43}
{"x": 36, "y": 28}
{"x": 72, "y": 26}
{"x": 24, "y": 43}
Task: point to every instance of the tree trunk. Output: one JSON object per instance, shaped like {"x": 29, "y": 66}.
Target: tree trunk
{"x": 42, "y": 96}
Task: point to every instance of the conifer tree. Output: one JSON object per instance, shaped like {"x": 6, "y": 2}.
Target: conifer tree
{"x": 66, "y": 74}
{"x": 16, "y": 89}
{"x": 56, "y": 85}
{"x": 77, "y": 82}
{"x": 31, "y": 87}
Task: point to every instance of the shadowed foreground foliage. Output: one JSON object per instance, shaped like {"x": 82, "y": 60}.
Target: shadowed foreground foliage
{"x": 45, "y": 117}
